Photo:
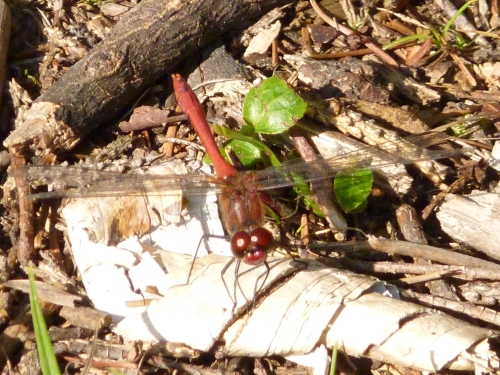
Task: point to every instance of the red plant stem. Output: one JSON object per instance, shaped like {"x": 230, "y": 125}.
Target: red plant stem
{"x": 190, "y": 105}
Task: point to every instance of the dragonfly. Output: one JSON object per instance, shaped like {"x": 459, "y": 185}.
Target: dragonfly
{"x": 239, "y": 193}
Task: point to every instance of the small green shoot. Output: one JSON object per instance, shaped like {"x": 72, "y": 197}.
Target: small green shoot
{"x": 31, "y": 78}
{"x": 404, "y": 40}
{"x": 48, "y": 361}
{"x": 439, "y": 37}
{"x": 333, "y": 364}
{"x": 358, "y": 23}
{"x": 462, "y": 9}
{"x": 460, "y": 41}
{"x": 89, "y": 4}
{"x": 248, "y": 153}
{"x": 459, "y": 131}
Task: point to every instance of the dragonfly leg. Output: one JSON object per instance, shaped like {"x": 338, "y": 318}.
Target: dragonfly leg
{"x": 202, "y": 238}
{"x": 237, "y": 283}
{"x": 296, "y": 258}
{"x": 258, "y": 289}
{"x": 194, "y": 258}
{"x": 257, "y": 286}
{"x": 236, "y": 286}
{"x": 222, "y": 273}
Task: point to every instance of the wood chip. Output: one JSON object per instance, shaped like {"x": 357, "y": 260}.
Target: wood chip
{"x": 473, "y": 219}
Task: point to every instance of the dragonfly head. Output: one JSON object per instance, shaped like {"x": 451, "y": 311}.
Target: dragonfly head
{"x": 252, "y": 247}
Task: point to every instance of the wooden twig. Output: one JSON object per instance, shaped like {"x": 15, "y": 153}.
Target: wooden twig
{"x": 4, "y": 42}
{"x": 322, "y": 190}
{"x": 414, "y": 250}
{"x": 26, "y": 228}
{"x": 457, "y": 272}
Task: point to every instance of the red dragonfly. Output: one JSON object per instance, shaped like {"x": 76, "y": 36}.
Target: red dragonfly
{"x": 240, "y": 205}
{"x": 239, "y": 193}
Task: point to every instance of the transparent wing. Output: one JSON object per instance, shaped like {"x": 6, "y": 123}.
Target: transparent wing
{"x": 83, "y": 182}
{"x": 98, "y": 183}
{"x": 403, "y": 151}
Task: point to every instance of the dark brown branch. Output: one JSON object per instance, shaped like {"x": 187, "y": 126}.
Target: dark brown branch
{"x": 146, "y": 44}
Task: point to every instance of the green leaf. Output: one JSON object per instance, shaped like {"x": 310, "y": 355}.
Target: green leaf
{"x": 48, "y": 360}
{"x": 273, "y": 107}
{"x": 352, "y": 188}
{"x": 267, "y": 156}
{"x": 248, "y": 154}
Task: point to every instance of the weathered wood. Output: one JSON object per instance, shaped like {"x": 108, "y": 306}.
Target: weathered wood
{"x": 146, "y": 44}
{"x": 473, "y": 219}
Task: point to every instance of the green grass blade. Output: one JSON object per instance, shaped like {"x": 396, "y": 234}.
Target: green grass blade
{"x": 333, "y": 364}
{"x": 48, "y": 361}
{"x": 462, "y": 9}
{"x": 404, "y": 40}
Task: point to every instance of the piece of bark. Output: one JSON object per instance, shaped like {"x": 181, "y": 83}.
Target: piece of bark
{"x": 146, "y": 117}
{"x": 409, "y": 224}
{"x": 473, "y": 220}
{"x": 125, "y": 353}
{"x": 25, "y": 241}
{"x": 46, "y": 292}
{"x": 457, "y": 272}
{"x": 476, "y": 312}
{"x": 86, "y": 317}
{"x": 405, "y": 86}
{"x": 318, "y": 306}
{"x": 330, "y": 77}
{"x": 481, "y": 293}
{"x": 149, "y": 42}
{"x": 400, "y": 118}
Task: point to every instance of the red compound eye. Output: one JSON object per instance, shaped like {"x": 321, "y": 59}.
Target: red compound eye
{"x": 262, "y": 238}
{"x": 252, "y": 248}
{"x": 255, "y": 257}
{"x": 239, "y": 244}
